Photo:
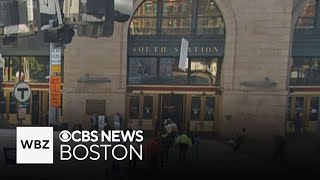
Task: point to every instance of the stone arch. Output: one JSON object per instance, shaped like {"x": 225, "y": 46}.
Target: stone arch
{"x": 297, "y": 8}
{"x": 227, "y": 73}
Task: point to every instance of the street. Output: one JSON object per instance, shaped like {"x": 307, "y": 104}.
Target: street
{"x": 216, "y": 158}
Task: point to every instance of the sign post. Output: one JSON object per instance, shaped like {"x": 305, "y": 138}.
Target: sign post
{"x": 55, "y": 83}
{"x": 22, "y": 94}
{"x": 55, "y": 88}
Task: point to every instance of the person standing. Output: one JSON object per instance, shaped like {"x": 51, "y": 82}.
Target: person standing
{"x": 164, "y": 151}
{"x": 153, "y": 151}
{"x": 298, "y": 122}
{"x": 279, "y": 151}
{"x": 135, "y": 158}
{"x": 130, "y": 125}
{"x": 184, "y": 142}
{"x": 195, "y": 146}
{"x": 240, "y": 139}
{"x": 117, "y": 121}
{"x": 94, "y": 122}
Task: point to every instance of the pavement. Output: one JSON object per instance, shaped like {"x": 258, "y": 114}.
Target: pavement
{"x": 4, "y": 124}
{"x": 217, "y": 159}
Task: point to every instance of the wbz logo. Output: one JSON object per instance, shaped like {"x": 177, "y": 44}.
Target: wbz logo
{"x": 34, "y": 145}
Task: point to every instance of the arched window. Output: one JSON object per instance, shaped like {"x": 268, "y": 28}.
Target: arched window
{"x": 209, "y": 18}
{"x": 144, "y": 21}
{"x": 154, "y": 43}
{"x": 305, "y": 70}
{"x": 177, "y": 18}
{"x": 308, "y": 17}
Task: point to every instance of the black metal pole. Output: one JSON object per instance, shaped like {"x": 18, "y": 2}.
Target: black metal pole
{"x": 1, "y": 90}
{"x": 2, "y": 97}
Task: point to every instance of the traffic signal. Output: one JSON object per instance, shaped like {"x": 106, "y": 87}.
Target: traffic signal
{"x": 95, "y": 18}
{"x": 63, "y": 35}
{"x": 123, "y": 10}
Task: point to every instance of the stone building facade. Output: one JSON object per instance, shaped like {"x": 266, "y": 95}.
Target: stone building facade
{"x": 253, "y": 91}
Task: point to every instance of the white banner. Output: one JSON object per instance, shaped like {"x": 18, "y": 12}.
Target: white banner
{"x": 183, "y": 62}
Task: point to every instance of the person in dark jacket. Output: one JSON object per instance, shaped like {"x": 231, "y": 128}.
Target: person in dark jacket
{"x": 195, "y": 146}
{"x": 279, "y": 151}
{"x": 298, "y": 122}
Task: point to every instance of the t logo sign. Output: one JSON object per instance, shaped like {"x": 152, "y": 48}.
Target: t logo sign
{"x": 22, "y": 92}
{"x": 34, "y": 145}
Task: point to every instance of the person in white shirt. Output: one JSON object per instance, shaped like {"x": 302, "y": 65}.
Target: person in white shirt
{"x": 117, "y": 121}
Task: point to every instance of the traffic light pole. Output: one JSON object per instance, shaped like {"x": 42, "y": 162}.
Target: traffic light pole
{"x": 54, "y": 87}
{"x": 51, "y": 112}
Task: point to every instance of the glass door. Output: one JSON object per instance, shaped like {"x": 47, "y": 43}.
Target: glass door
{"x": 148, "y": 112}
{"x": 309, "y": 106}
{"x": 312, "y": 114}
{"x": 297, "y": 105}
{"x": 195, "y": 109}
{"x": 202, "y": 112}
{"x": 134, "y": 110}
{"x": 141, "y": 110}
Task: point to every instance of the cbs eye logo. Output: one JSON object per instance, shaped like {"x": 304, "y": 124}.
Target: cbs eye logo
{"x": 65, "y": 136}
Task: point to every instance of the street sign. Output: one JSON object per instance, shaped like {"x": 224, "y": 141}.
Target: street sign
{"x": 22, "y": 112}
{"x": 55, "y": 99}
{"x": 55, "y": 83}
{"x": 22, "y": 92}
{"x": 55, "y": 54}
{"x": 56, "y": 68}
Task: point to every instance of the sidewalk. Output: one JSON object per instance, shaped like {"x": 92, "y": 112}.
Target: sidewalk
{"x": 216, "y": 159}
{"x": 253, "y": 158}
{"x": 4, "y": 123}
{"x": 301, "y": 153}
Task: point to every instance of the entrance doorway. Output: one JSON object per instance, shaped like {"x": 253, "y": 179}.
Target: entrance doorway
{"x": 172, "y": 106}
{"x": 309, "y": 105}
{"x": 196, "y": 112}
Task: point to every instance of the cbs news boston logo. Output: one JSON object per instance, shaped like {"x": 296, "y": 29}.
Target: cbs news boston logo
{"x": 35, "y": 144}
